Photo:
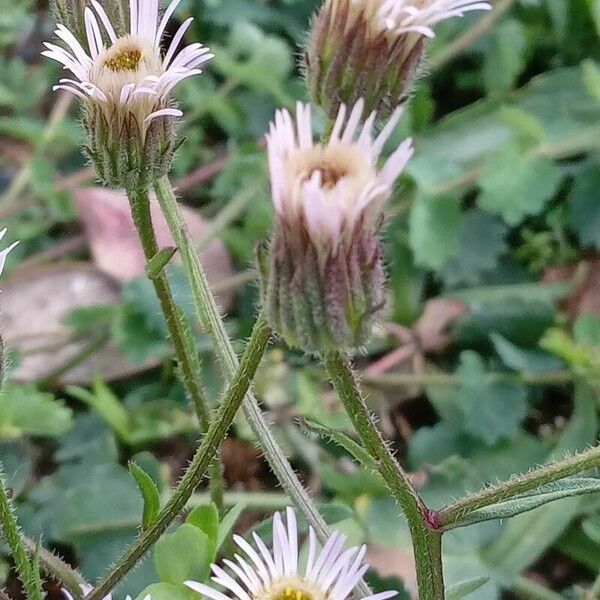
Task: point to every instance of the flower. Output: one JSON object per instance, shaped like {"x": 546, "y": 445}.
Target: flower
{"x": 4, "y": 253}
{"x": 126, "y": 85}
{"x": 324, "y": 281}
{"x": 86, "y": 589}
{"x": 331, "y": 574}
{"x": 372, "y": 49}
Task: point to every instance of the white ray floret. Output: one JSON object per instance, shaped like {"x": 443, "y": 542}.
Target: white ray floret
{"x": 331, "y": 186}
{"x": 128, "y": 72}
{"x": 4, "y": 253}
{"x": 86, "y": 589}
{"x": 420, "y": 16}
{"x": 258, "y": 573}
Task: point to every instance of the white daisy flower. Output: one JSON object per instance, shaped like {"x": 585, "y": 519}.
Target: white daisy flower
{"x": 4, "y": 253}
{"x": 86, "y": 589}
{"x": 325, "y": 281}
{"x": 126, "y": 83}
{"x": 260, "y": 574}
{"x": 128, "y": 73}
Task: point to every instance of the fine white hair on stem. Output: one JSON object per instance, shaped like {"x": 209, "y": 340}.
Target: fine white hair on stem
{"x": 262, "y": 574}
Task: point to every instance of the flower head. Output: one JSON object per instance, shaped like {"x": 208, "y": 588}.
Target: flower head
{"x": 126, "y": 83}
{"x": 330, "y": 574}
{"x": 4, "y": 253}
{"x": 372, "y": 49}
{"x": 86, "y": 589}
{"x": 325, "y": 283}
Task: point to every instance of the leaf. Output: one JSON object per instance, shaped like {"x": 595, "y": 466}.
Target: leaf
{"x": 464, "y": 588}
{"x": 532, "y": 360}
{"x": 591, "y": 527}
{"x": 168, "y": 591}
{"x": 206, "y": 518}
{"x": 491, "y": 410}
{"x": 584, "y": 207}
{"x": 527, "y": 536}
{"x": 515, "y": 185}
{"x": 228, "y": 523}
{"x": 340, "y": 438}
{"x": 150, "y": 494}
{"x": 481, "y": 243}
{"x": 184, "y": 554}
{"x": 566, "y": 488}
{"x": 106, "y": 404}
{"x": 435, "y": 224}
{"x": 26, "y": 410}
{"x": 591, "y": 74}
{"x": 506, "y": 57}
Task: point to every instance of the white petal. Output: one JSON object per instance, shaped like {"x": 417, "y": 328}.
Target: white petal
{"x": 206, "y": 590}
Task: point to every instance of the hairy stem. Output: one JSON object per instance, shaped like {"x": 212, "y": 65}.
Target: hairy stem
{"x": 12, "y": 534}
{"x": 426, "y": 543}
{"x": 208, "y": 315}
{"x": 519, "y": 484}
{"x": 217, "y": 430}
{"x": 179, "y": 330}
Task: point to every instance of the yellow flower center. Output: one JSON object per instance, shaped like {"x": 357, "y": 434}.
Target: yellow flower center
{"x": 291, "y": 593}
{"x": 124, "y": 60}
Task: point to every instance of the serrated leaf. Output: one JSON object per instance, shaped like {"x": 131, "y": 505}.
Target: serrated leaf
{"x": 464, "y": 588}
{"x": 567, "y": 488}
{"x": 183, "y": 555}
{"x": 435, "y": 224}
{"x": 584, "y": 207}
{"x": 149, "y": 492}
{"x": 340, "y": 438}
{"x": 506, "y": 56}
{"x": 481, "y": 243}
{"x": 515, "y": 185}
{"x": 492, "y": 410}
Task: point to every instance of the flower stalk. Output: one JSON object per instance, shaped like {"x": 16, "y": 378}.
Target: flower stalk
{"x": 217, "y": 431}
{"x": 210, "y": 319}
{"x": 179, "y": 330}
{"x": 427, "y": 544}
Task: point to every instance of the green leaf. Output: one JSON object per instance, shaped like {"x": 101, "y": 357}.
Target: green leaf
{"x": 584, "y": 206}
{"x": 464, "y": 588}
{"x": 481, "y": 243}
{"x": 26, "y": 410}
{"x": 228, "y": 523}
{"x": 168, "y": 591}
{"x": 532, "y": 360}
{"x": 150, "y": 494}
{"x": 566, "y": 488}
{"x": 340, "y": 438}
{"x": 206, "y": 518}
{"x": 527, "y": 536}
{"x": 591, "y": 527}
{"x": 184, "y": 554}
{"x": 107, "y": 405}
{"x": 491, "y": 410}
{"x": 435, "y": 225}
{"x": 591, "y": 75}
{"x": 506, "y": 57}
{"x": 515, "y": 185}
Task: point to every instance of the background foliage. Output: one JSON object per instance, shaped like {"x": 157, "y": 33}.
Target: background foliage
{"x": 488, "y": 365}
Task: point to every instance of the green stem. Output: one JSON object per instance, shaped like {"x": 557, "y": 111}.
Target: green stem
{"x": 179, "y": 330}
{"x": 12, "y": 534}
{"x": 426, "y": 543}
{"x": 219, "y": 426}
{"x": 454, "y": 513}
{"x": 210, "y": 319}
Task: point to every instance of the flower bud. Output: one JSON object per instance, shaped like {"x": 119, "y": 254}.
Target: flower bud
{"x": 323, "y": 283}
{"x": 372, "y": 49}
{"x": 125, "y": 83}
